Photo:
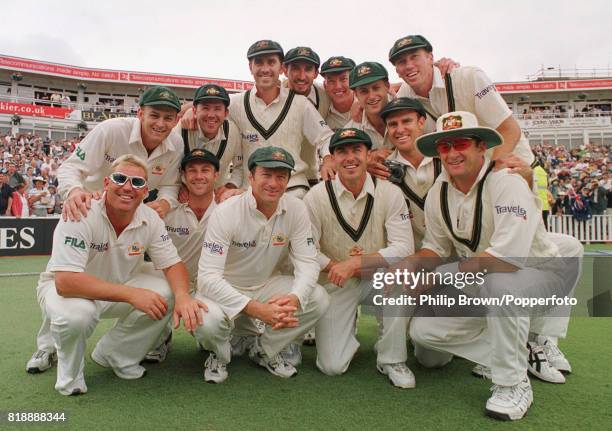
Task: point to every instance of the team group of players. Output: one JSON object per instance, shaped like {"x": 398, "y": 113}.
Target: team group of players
{"x": 265, "y": 208}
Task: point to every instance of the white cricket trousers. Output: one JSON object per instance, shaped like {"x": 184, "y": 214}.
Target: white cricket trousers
{"x": 216, "y": 331}
{"x": 73, "y": 320}
{"x": 336, "y": 341}
{"x": 497, "y": 340}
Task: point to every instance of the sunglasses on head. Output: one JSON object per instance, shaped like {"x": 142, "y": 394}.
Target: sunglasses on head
{"x": 120, "y": 179}
{"x": 443, "y": 146}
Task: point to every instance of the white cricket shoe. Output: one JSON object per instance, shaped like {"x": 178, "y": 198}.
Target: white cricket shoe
{"x": 538, "y": 365}
{"x": 41, "y": 361}
{"x": 510, "y": 403}
{"x": 399, "y": 374}
{"x": 241, "y": 344}
{"x": 555, "y": 356}
{"x": 482, "y": 372}
{"x": 158, "y": 354}
{"x": 276, "y": 365}
{"x": 215, "y": 371}
{"x": 132, "y": 372}
{"x": 292, "y": 354}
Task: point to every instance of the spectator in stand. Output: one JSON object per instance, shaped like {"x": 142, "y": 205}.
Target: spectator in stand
{"x": 599, "y": 199}
{"x": 6, "y": 195}
{"x": 38, "y": 197}
{"x": 14, "y": 177}
{"x": 20, "y": 206}
{"x": 55, "y": 201}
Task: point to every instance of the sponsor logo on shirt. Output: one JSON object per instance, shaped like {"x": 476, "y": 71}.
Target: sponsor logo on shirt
{"x": 310, "y": 241}
{"x": 214, "y": 247}
{"x": 482, "y": 93}
{"x": 279, "y": 238}
{"x": 408, "y": 216}
{"x": 75, "y": 242}
{"x": 165, "y": 237}
{"x": 179, "y": 230}
{"x": 158, "y": 170}
{"x": 244, "y": 244}
{"x": 108, "y": 158}
{"x": 136, "y": 249}
{"x": 517, "y": 210}
{"x": 251, "y": 138}
{"x": 99, "y": 247}
{"x": 80, "y": 153}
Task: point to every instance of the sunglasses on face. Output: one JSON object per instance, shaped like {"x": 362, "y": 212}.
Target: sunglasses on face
{"x": 443, "y": 146}
{"x": 120, "y": 179}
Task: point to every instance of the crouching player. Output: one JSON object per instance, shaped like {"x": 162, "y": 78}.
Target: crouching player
{"x": 239, "y": 278}
{"x": 96, "y": 271}
{"x": 482, "y": 213}
{"x": 358, "y": 222}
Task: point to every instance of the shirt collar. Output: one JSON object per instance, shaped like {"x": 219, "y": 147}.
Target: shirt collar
{"x": 368, "y": 188}
{"x": 136, "y": 138}
{"x": 137, "y": 220}
{"x": 483, "y": 170}
{"x": 282, "y": 95}
{"x": 252, "y": 203}
{"x": 395, "y": 155}
{"x": 218, "y": 137}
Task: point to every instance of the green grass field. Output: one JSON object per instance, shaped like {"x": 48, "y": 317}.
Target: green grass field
{"x": 174, "y": 395}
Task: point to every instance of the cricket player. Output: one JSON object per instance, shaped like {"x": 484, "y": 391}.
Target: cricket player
{"x": 415, "y": 174}
{"x": 97, "y": 271}
{"x": 464, "y": 88}
{"x": 357, "y": 222}
{"x": 186, "y": 225}
{"x": 269, "y": 114}
{"x": 216, "y": 133}
{"x": 301, "y": 67}
{"x": 370, "y": 83}
{"x": 81, "y": 176}
{"x": 248, "y": 236}
{"x": 492, "y": 220}
{"x": 335, "y": 72}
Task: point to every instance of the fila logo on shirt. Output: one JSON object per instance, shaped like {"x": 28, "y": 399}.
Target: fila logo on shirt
{"x": 75, "y": 242}
{"x": 517, "y": 210}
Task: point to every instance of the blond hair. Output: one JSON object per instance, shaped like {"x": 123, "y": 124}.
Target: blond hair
{"x": 131, "y": 159}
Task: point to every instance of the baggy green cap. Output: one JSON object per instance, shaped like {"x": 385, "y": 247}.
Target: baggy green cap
{"x": 211, "y": 92}
{"x": 160, "y": 96}
{"x": 349, "y": 136}
{"x": 271, "y": 157}
{"x": 366, "y": 73}
{"x": 302, "y": 53}
{"x": 408, "y": 43}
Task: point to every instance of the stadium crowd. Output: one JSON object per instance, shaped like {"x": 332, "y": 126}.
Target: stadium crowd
{"x": 28, "y": 174}
{"x": 579, "y": 180}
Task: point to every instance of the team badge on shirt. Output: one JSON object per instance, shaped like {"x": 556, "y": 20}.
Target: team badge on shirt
{"x": 355, "y": 251}
{"x": 158, "y": 170}
{"x": 279, "y": 238}
{"x": 452, "y": 122}
{"x": 136, "y": 249}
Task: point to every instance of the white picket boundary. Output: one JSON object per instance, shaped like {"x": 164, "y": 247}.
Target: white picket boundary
{"x": 598, "y": 229}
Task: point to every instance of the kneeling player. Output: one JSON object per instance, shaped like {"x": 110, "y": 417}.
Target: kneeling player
{"x": 483, "y": 214}
{"x": 96, "y": 271}
{"x": 246, "y": 239}
{"x": 357, "y": 222}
